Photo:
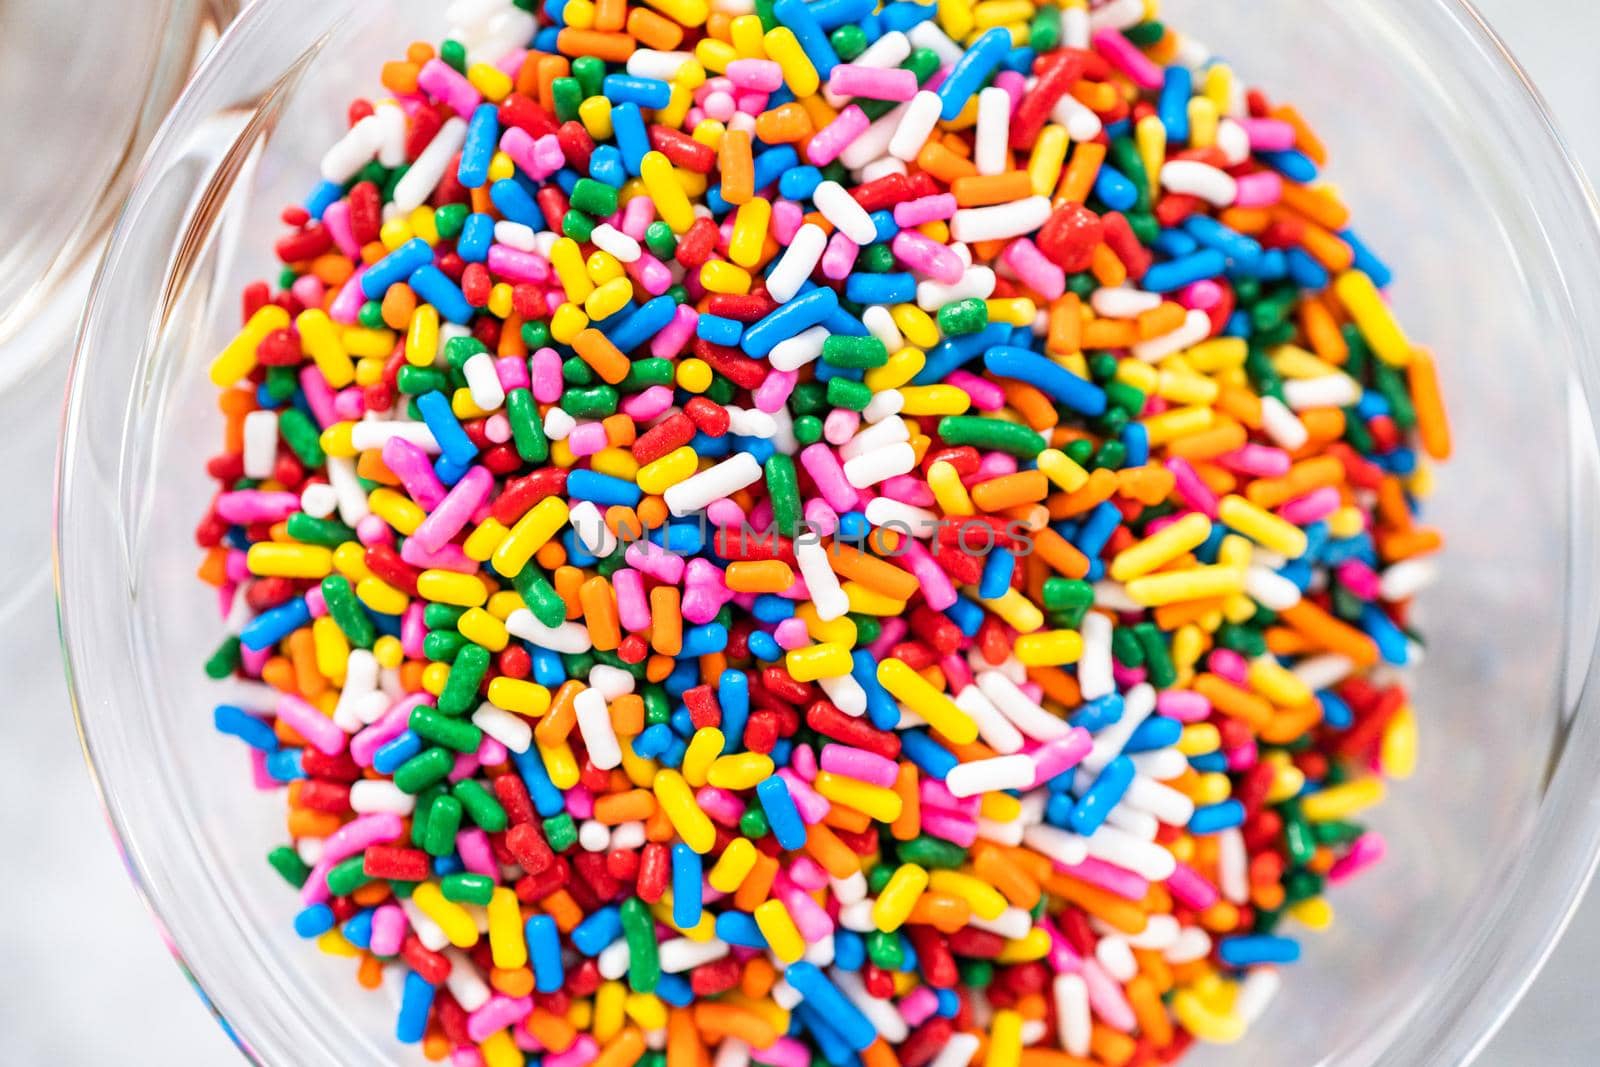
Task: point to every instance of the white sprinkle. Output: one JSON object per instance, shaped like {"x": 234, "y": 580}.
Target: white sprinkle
{"x": 975, "y": 282}
{"x": 1196, "y": 327}
{"x": 1194, "y": 178}
{"x": 1094, "y": 665}
{"x": 512, "y": 731}
{"x": 916, "y": 123}
{"x": 373, "y": 434}
{"x": 1072, "y": 1004}
{"x": 1407, "y": 578}
{"x": 827, "y": 596}
{"x": 1328, "y": 391}
{"x": 353, "y": 151}
{"x": 608, "y": 238}
{"x": 594, "y": 836}
{"x": 318, "y": 500}
{"x": 1062, "y": 846}
{"x": 260, "y": 443}
{"x": 696, "y": 493}
{"x": 1145, "y": 858}
{"x": 1282, "y": 425}
{"x": 999, "y": 221}
{"x": 681, "y": 954}
{"x": 1014, "y": 704}
{"x": 570, "y": 638}
{"x": 992, "y": 149}
{"x": 590, "y": 526}
{"x": 380, "y": 796}
{"x": 483, "y": 381}
{"x": 1123, "y": 303}
{"x": 845, "y": 212}
{"x": 413, "y": 190}
{"x": 594, "y": 723}
{"x": 795, "y": 266}
{"x": 995, "y": 729}
{"x": 1270, "y": 589}
{"x": 880, "y": 465}
{"x": 795, "y": 352}
{"x": 990, "y": 775}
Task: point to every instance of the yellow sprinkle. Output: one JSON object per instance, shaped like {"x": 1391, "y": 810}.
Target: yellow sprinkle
{"x": 1005, "y": 1036}
{"x": 1343, "y": 800}
{"x": 880, "y": 803}
{"x": 449, "y": 587}
{"x": 1195, "y": 583}
{"x": 506, "y": 942}
{"x": 1017, "y": 611}
{"x": 1372, "y": 317}
{"x": 777, "y": 926}
{"x": 948, "y": 491}
{"x": 704, "y": 747}
{"x": 783, "y": 47}
{"x": 1204, "y": 1023}
{"x": 672, "y": 203}
{"x": 523, "y": 697}
{"x": 1262, "y": 526}
{"x": 1051, "y": 648}
{"x": 1398, "y": 752}
{"x": 683, "y": 811}
{"x": 936, "y": 709}
{"x": 456, "y": 921}
{"x": 278, "y": 559}
{"x": 817, "y": 661}
{"x": 1161, "y": 548}
{"x": 531, "y": 533}
{"x": 900, "y": 894}
{"x": 735, "y": 864}
{"x": 481, "y": 628}
{"x": 331, "y": 646}
{"x": 422, "y": 336}
{"x": 903, "y": 365}
{"x": 239, "y": 357}
{"x": 741, "y": 770}
{"x": 321, "y": 342}
{"x": 396, "y": 509}
{"x": 987, "y": 902}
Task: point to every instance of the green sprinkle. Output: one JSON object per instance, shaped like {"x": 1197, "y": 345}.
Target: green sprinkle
{"x": 844, "y": 393}
{"x": 527, "y": 431}
{"x": 783, "y": 488}
{"x": 347, "y": 876}
{"x": 928, "y": 851}
{"x": 590, "y": 72}
{"x": 592, "y": 197}
{"x": 465, "y": 888}
{"x": 443, "y": 646}
{"x": 855, "y": 353}
{"x": 454, "y": 53}
{"x": 346, "y": 611}
{"x": 309, "y": 530}
{"x": 458, "y": 734}
{"x": 578, "y": 226}
{"x": 466, "y": 674}
{"x": 449, "y": 219}
{"x": 961, "y": 317}
{"x": 566, "y": 94}
{"x": 480, "y": 805}
{"x": 594, "y": 402}
{"x": 287, "y": 862}
{"x": 659, "y": 239}
{"x": 991, "y": 435}
{"x": 639, "y": 931}
{"x": 422, "y": 770}
{"x": 444, "y": 822}
{"x": 561, "y": 832}
{"x": 225, "y": 660}
{"x": 885, "y": 950}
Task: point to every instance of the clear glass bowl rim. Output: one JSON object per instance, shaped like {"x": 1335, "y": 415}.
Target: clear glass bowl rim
{"x": 1450, "y": 1026}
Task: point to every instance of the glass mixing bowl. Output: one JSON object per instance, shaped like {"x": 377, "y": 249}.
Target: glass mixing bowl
{"x": 1456, "y": 177}
{"x": 84, "y": 95}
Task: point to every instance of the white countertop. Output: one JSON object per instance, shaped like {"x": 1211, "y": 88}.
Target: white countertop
{"x": 85, "y": 977}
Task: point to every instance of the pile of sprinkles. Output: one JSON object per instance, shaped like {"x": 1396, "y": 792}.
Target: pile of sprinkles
{"x": 820, "y": 531}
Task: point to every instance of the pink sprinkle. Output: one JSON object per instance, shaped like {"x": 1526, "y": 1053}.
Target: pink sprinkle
{"x": 860, "y": 764}
{"x": 476, "y": 855}
{"x": 1261, "y": 461}
{"x": 518, "y": 266}
{"x": 937, "y": 206}
{"x": 957, "y": 829}
{"x": 836, "y": 136}
{"x": 1201, "y": 295}
{"x": 1191, "y": 488}
{"x": 1228, "y": 664}
{"x": 1264, "y": 188}
{"x": 1105, "y": 995}
{"x": 1108, "y": 876}
{"x": 1126, "y": 57}
{"x": 443, "y": 82}
{"x": 1268, "y": 135}
{"x": 654, "y": 401}
{"x": 1183, "y": 704}
{"x": 1191, "y": 888}
{"x": 1062, "y": 754}
{"x": 1365, "y": 850}
{"x": 873, "y": 83}
{"x": 1317, "y": 504}
{"x": 762, "y": 75}
{"x": 986, "y": 395}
